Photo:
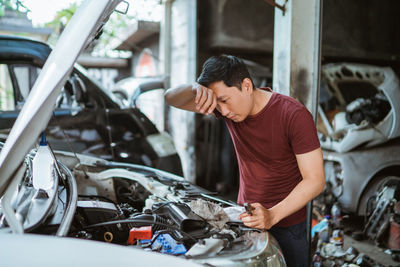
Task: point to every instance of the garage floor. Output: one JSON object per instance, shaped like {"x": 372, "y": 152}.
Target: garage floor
{"x": 369, "y": 248}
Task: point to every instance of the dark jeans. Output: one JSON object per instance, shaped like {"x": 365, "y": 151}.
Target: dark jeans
{"x": 293, "y": 242}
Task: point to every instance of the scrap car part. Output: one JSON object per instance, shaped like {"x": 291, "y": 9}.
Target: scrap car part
{"x": 334, "y": 174}
{"x": 358, "y": 174}
{"x": 376, "y": 86}
{"x": 380, "y": 216}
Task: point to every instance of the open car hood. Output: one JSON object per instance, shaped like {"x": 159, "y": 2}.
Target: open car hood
{"x": 35, "y": 115}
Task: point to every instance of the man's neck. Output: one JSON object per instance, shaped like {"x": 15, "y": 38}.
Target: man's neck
{"x": 261, "y": 99}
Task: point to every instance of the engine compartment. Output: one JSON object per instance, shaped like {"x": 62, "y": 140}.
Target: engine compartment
{"x": 137, "y": 206}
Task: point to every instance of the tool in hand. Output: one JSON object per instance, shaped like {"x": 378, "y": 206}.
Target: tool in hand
{"x": 249, "y": 208}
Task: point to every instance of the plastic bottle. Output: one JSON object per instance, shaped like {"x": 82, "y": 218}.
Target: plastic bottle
{"x": 320, "y": 226}
{"x": 337, "y": 237}
{"x": 43, "y": 165}
{"x": 336, "y": 215}
{"x": 317, "y": 260}
{"x": 325, "y": 233}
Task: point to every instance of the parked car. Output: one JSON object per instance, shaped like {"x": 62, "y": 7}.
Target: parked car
{"x": 87, "y": 119}
{"x": 359, "y": 132}
{"x": 89, "y": 198}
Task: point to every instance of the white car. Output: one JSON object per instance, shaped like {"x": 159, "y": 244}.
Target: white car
{"x": 146, "y": 213}
{"x": 359, "y": 127}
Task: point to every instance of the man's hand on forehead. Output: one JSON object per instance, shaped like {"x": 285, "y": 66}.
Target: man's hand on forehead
{"x": 205, "y": 99}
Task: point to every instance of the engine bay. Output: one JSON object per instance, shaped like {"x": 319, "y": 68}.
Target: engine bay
{"x": 131, "y": 205}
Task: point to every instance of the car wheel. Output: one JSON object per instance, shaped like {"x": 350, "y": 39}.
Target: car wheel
{"x": 372, "y": 189}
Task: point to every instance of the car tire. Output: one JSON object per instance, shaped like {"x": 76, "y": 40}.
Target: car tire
{"x": 372, "y": 188}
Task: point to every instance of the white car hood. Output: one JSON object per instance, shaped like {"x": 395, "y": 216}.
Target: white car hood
{"x": 52, "y": 251}
{"x": 36, "y": 113}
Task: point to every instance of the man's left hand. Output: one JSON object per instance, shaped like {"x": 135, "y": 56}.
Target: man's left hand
{"x": 261, "y": 217}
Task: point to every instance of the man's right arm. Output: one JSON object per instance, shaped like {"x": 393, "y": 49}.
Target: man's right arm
{"x": 196, "y": 98}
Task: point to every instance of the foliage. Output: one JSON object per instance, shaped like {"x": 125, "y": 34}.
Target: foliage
{"x": 117, "y": 21}
{"x": 115, "y": 28}
{"x": 60, "y": 20}
{"x": 140, "y": 9}
{"x": 12, "y": 5}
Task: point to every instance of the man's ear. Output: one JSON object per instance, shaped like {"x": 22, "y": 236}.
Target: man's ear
{"x": 247, "y": 85}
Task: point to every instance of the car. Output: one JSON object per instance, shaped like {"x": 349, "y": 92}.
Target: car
{"x": 359, "y": 128}
{"x": 87, "y": 118}
{"x": 144, "y": 212}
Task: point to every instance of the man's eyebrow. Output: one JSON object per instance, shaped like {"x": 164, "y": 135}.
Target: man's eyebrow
{"x": 221, "y": 97}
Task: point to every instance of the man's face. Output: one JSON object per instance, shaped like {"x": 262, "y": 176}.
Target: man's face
{"x": 233, "y": 103}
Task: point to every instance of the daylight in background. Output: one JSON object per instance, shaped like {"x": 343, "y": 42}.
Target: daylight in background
{"x": 57, "y": 13}
{"x": 110, "y": 58}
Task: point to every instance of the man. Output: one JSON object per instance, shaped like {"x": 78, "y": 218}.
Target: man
{"x": 278, "y": 151}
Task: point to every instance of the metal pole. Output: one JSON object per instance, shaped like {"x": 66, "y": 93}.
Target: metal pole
{"x": 297, "y": 59}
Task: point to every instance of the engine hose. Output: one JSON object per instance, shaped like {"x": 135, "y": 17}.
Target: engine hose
{"x": 69, "y": 213}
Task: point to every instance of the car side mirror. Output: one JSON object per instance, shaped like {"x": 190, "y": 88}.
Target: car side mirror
{"x": 145, "y": 87}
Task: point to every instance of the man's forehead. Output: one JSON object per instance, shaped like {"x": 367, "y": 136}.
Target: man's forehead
{"x": 221, "y": 90}
{"x": 217, "y": 85}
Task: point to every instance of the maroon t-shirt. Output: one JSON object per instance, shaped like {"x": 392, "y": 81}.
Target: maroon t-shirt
{"x": 266, "y": 144}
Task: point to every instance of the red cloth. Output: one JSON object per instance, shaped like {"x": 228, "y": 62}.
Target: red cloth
{"x": 266, "y": 144}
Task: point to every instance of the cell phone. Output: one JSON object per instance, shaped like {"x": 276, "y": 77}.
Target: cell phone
{"x": 249, "y": 208}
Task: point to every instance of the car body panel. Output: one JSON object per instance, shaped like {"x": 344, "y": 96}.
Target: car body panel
{"x": 33, "y": 51}
{"x": 39, "y": 250}
{"x": 358, "y": 169}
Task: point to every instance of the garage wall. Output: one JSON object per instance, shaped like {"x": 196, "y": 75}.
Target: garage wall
{"x": 183, "y": 70}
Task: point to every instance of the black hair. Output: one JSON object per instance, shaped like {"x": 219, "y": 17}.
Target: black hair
{"x": 229, "y": 69}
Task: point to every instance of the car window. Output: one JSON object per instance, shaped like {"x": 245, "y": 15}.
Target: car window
{"x": 26, "y": 76}
{"x": 7, "y": 102}
{"x": 18, "y": 80}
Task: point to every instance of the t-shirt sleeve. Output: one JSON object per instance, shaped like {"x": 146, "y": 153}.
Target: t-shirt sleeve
{"x": 217, "y": 113}
{"x": 303, "y": 135}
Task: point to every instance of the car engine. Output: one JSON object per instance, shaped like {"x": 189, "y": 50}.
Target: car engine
{"x": 131, "y": 205}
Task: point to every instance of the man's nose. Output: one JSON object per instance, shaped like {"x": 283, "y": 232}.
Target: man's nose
{"x": 224, "y": 110}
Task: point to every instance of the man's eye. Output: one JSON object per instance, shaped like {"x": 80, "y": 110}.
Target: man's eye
{"x": 223, "y": 101}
